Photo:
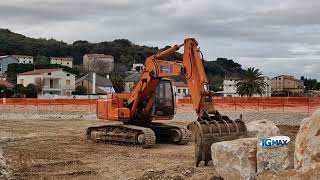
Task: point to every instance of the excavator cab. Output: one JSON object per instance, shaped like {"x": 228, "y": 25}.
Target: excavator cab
{"x": 164, "y": 103}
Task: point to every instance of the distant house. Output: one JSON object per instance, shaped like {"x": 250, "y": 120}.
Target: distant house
{"x": 24, "y": 59}
{"x": 230, "y": 87}
{"x": 130, "y": 81}
{"x": 6, "y": 84}
{"x": 64, "y": 61}
{"x": 5, "y": 61}
{"x": 180, "y": 89}
{"x": 103, "y": 85}
{"x": 287, "y": 83}
{"x": 99, "y": 63}
{"x": 52, "y": 81}
{"x": 136, "y": 68}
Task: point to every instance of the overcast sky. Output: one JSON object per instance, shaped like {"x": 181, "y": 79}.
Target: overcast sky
{"x": 278, "y": 37}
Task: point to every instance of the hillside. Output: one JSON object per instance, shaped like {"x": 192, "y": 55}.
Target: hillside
{"x": 123, "y": 51}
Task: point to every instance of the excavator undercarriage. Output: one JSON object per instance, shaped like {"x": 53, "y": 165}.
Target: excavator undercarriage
{"x": 132, "y": 135}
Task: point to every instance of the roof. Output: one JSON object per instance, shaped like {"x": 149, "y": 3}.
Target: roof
{"x": 179, "y": 84}
{"x": 132, "y": 78}
{"x": 39, "y": 71}
{"x": 63, "y": 58}
{"x": 6, "y": 56}
{"x": 98, "y": 56}
{"x": 22, "y": 56}
{"x": 6, "y": 84}
{"x": 100, "y": 80}
{"x": 288, "y": 77}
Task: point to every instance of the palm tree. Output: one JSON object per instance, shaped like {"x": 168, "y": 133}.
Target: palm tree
{"x": 251, "y": 83}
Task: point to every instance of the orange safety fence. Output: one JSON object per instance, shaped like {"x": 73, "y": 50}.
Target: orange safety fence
{"x": 48, "y": 104}
{"x": 263, "y": 104}
{"x": 266, "y": 104}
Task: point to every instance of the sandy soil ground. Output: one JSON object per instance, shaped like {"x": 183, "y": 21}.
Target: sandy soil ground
{"x": 57, "y": 149}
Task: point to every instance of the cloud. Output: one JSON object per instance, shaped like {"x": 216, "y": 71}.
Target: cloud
{"x": 279, "y": 37}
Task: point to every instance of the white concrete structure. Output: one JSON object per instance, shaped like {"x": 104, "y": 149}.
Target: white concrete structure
{"x": 64, "y": 61}
{"x": 180, "y": 89}
{"x": 24, "y": 59}
{"x": 52, "y": 81}
{"x": 230, "y": 88}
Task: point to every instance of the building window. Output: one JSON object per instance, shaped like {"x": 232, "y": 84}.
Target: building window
{"x": 68, "y": 82}
{"x": 0, "y": 67}
{"x": 29, "y": 62}
{"x": 68, "y": 74}
{"x": 49, "y": 73}
{"x": 179, "y": 90}
{"x": 21, "y": 81}
{"x": 67, "y": 63}
{"x": 184, "y": 91}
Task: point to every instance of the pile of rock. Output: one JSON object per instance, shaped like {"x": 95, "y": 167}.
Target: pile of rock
{"x": 243, "y": 158}
{"x": 246, "y": 159}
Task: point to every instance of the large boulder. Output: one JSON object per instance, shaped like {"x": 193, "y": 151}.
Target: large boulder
{"x": 309, "y": 172}
{"x": 307, "y": 145}
{"x": 274, "y": 159}
{"x": 262, "y": 128}
{"x": 235, "y": 159}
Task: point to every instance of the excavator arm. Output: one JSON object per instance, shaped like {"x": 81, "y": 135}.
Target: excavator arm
{"x": 191, "y": 67}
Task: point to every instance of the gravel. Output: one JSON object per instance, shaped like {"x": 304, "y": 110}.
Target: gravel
{"x": 292, "y": 119}
{"x": 14, "y": 114}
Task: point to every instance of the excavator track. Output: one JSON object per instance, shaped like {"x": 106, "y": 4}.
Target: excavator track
{"x": 170, "y": 133}
{"x": 122, "y": 134}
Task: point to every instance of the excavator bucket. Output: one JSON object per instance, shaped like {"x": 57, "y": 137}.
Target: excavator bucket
{"x": 213, "y": 129}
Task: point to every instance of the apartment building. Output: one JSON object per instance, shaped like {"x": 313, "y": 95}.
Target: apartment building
{"x": 51, "y": 81}
{"x": 287, "y": 83}
{"x": 24, "y": 59}
{"x": 64, "y": 61}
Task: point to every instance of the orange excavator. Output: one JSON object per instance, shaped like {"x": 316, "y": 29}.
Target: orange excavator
{"x": 152, "y": 99}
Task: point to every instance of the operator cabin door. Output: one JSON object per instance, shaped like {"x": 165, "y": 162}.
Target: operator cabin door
{"x": 164, "y": 101}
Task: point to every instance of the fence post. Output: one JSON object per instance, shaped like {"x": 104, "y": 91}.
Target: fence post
{"x": 282, "y": 104}
{"x": 308, "y": 105}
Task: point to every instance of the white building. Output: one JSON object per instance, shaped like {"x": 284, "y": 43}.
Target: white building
{"x": 230, "y": 88}
{"x": 180, "y": 89}
{"x": 103, "y": 84}
{"x": 24, "y": 59}
{"x": 64, "y": 61}
{"x": 52, "y": 81}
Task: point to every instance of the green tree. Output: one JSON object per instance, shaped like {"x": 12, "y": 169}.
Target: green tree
{"x": 80, "y": 90}
{"x": 40, "y": 60}
{"x": 251, "y": 83}
{"x": 18, "y": 90}
{"x": 30, "y": 91}
{"x": 117, "y": 82}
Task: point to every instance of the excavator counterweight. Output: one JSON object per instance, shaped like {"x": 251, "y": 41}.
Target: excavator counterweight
{"x": 152, "y": 99}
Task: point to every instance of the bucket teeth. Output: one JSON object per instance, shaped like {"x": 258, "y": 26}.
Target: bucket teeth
{"x": 205, "y": 132}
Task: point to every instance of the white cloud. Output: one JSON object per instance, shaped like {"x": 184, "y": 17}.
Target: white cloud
{"x": 276, "y": 36}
